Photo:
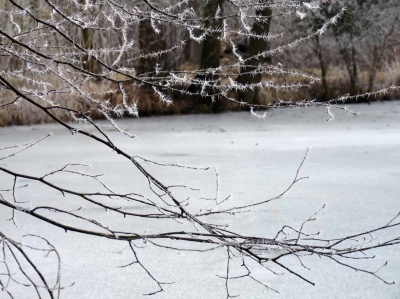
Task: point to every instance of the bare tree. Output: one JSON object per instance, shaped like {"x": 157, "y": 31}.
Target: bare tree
{"x": 49, "y": 74}
{"x": 361, "y": 40}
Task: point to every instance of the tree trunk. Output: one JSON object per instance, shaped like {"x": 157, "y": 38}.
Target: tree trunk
{"x": 374, "y": 69}
{"x": 88, "y": 62}
{"x": 211, "y": 48}
{"x": 212, "y": 45}
{"x": 323, "y": 66}
{"x": 349, "y": 57}
{"x": 354, "y": 78}
{"x": 194, "y": 49}
{"x": 149, "y": 42}
{"x": 255, "y": 46}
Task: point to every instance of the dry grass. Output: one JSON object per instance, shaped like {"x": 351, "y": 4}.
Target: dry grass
{"x": 149, "y": 104}
{"x": 338, "y": 83}
{"x": 25, "y": 113}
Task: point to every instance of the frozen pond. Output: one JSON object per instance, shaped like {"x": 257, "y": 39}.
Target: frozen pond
{"x": 353, "y": 164}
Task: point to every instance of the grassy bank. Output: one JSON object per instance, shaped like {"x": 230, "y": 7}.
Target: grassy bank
{"x": 23, "y": 113}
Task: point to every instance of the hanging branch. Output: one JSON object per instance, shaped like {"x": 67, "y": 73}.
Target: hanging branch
{"x": 47, "y": 63}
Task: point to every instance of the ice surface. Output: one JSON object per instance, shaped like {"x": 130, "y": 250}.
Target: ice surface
{"x": 354, "y": 165}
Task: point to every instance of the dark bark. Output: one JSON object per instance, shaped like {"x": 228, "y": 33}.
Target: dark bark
{"x": 210, "y": 51}
{"x": 349, "y": 57}
{"x": 193, "y": 49}
{"x": 255, "y": 46}
{"x": 376, "y": 61}
{"x": 324, "y": 67}
{"x": 87, "y": 44}
{"x": 88, "y": 62}
{"x": 149, "y": 42}
{"x": 210, "y": 54}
